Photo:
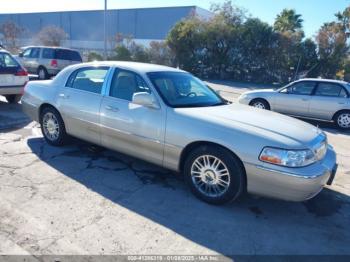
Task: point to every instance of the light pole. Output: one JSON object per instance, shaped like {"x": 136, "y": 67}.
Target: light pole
{"x": 105, "y": 31}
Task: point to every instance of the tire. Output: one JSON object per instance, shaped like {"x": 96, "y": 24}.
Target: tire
{"x": 13, "y": 99}
{"x": 260, "y": 103}
{"x": 212, "y": 191}
{"x": 52, "y": 127}
{"x": 342, "y": 120}
{"x": 42, "y": 73}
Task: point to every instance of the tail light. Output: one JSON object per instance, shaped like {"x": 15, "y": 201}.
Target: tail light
{"x": 53, "y": 63}
{"x": 21, "y": 72}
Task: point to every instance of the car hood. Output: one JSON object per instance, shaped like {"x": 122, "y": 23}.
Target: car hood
{"x": 281, "y": 129}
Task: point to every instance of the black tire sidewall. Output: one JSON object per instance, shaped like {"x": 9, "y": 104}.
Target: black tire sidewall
{"x": 61, "y": 140}
{"x": 237, "y": 174}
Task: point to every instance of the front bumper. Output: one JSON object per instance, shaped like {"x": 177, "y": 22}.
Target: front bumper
{"x": 292, "y": 184}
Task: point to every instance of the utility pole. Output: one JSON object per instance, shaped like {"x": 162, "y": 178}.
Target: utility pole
{"x": 105, "y": 31}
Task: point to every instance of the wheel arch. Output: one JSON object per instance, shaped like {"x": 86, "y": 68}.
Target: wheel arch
{"x": 193, "y": 145}
{"x": 260, "y": 98}
{"x": 338, "y": 112}
{"x": 46, "y": 105}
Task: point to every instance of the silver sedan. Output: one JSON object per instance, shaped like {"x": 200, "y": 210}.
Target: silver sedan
{"x": 321, "y": 99}
{"x": 170, "y": 118}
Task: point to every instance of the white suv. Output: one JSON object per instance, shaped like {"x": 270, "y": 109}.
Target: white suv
{"x": 13, "y": 77}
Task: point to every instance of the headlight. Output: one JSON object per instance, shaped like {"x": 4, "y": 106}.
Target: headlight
{"x": 290, "y": 158}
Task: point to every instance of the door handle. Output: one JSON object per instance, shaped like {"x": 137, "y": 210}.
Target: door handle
{"x": 341, "y": 103}
{"x": 305, "y": 99}
{"x": 64, "y": 96}
{"x": 112, "y": 108}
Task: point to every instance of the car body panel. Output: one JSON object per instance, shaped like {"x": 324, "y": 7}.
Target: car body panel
{"x": 160, "y": 135}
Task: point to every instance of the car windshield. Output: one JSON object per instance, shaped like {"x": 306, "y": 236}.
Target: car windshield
{"x": 184, "y": 90}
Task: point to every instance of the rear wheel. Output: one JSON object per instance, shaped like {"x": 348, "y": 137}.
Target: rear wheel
{"x": 214, "y": 174}
{"x": 12, "y": 99}
{"x": 52, "y": 127}
{"x": 42, "y": 73}
{"x": 342, "y": 120}
{"x": 260, "y": 103}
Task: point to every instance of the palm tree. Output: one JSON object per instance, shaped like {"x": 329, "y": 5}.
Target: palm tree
{"x": 288, "y": 20}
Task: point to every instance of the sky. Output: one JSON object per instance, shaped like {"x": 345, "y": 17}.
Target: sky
{"x": 314, "y": 12}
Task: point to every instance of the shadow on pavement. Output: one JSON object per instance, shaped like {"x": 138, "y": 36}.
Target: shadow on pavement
{"x": 11, "y": 116}
{"x": 250, "y": 226}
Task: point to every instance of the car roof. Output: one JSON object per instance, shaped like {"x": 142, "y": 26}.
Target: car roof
{"x": 323, "y": 80}
{"x": 133, "y": 66}
{"x": 50, "y": 47}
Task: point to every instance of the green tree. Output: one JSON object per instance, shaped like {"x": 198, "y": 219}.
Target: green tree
{"x": 332, "y": 48}
{"x": 122, "y": 53}
{"x": 160, "y": 53}
{"x": 288, "y": 20}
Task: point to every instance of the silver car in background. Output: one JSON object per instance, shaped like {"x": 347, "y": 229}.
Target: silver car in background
{"x": 46, "y": 61}
{"x": 320, "y": 99}
{"x": 170, "y": 118}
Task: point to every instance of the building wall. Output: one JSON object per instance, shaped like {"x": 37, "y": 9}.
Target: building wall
{"x": 85, "y": 28}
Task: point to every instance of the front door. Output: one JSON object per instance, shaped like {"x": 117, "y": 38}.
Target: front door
{"x": 79, "y": 103}
{"x": 130, "y": 128}
{"x": 295, "y": 99}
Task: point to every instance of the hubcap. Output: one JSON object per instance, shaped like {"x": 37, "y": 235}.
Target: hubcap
{"x": 51, "y": 126}
{"x": 259, "y": 105}
{"x": 344, "y": 120}
{"x": 210, "y": 176}
{"x": 41, "y": 74}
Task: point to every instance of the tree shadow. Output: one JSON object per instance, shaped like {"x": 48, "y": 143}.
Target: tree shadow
{"x": 249, "y": 226}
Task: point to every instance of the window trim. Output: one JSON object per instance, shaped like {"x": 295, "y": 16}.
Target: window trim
{"x": 342, "y": 88}
{"x": 76, "y": 71}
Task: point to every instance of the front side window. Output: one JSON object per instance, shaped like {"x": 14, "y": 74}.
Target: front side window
{"x": 27, "y": 52}
{"x": 184, "y": 90}
{"x": 301, "y": 88}
{"x": 35, "y": 53}
{"x": 330, "y": 89}
{"x": 88, "y": 79}
{"x": 126, "y": 83}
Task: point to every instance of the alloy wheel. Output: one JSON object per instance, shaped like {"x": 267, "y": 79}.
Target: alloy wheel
{"x": 210, "y": 176}
{"x": 51, "y": 126}
{"x": 343, "y": 120}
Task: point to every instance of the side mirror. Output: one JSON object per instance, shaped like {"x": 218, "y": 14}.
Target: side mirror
{"x": 145, "y": 99}
{"x": 20, "y": 55}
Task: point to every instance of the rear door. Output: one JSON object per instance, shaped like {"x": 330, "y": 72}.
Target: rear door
{"x": 79, "y": 102}
{"x": 327, "y": 100}
{"x": 295, "y": 99}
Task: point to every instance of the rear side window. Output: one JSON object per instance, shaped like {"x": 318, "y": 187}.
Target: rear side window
{"x": 62, "y": 54}
{"x": 7, "y": 62}
{"x": 48, "y": 53}
{"x": 302, "y": 88}
{"x": 35, "y": 53}
{"x": 88, "y": 79}
{"x": 330, "y": 89}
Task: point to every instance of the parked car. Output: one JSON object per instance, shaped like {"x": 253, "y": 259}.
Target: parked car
{"x": 170, "y": 118}
{"x": 320, "y": 99}
{"x": 47, "y": 61}
{"x": 13, "y": 77}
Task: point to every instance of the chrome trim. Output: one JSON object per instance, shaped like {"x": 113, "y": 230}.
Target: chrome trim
{"x": 288, "y": 173}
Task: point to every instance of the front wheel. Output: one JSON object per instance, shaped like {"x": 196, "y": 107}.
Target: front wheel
{"x": 52, "y": 127}
{"x": 342, "y": 120}
{"x": 13, "y": 99}
{"x": 214, "y": 174}
{"x": 260, "y": 103}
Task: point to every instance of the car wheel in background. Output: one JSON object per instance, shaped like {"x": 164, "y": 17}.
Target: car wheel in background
{"x": 52, "y": 127}
{"x": 342, "y": 119}
{"x": 214, "y": 174}
{"x": 12, "y": 99}
{"x": 260, "y": 103}
{"x": 42, "y": 73}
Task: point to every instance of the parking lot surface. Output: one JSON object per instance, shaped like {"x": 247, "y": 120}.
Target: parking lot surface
{"x": 83, "y": 199}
